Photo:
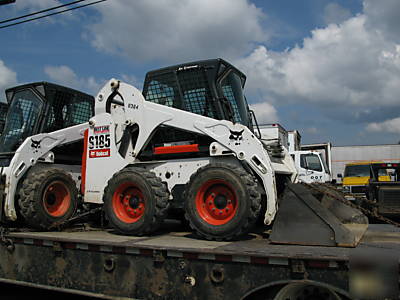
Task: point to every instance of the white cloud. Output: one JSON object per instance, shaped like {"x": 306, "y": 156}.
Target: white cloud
{"x": 64, "y": 75}
{"x": 29, "y": 6}
{"x": 391, "y": 126}
{"x": 264, "y": 112}
{"x": 170, "y": 30}
{"x": 347, "y": 69}
{"x": 334, "y": 13}
{"x": 35, "y": 5}
{"x": 383, "y": 17}
{"x": 132, "y": 80}
{"x": 8, "y": 78}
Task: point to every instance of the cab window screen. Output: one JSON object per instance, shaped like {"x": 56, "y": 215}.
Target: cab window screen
{"x": 163, "y": 91}
{"x": 232, "y": 90}
{"x": 68, "y": 109}
{"x": 186, "y": 89}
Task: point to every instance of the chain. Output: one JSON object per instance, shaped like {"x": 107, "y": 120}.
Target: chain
{"x": 331, "y": 191}
{"x": 77, "y": 218}
{"x": 9, "y": 244}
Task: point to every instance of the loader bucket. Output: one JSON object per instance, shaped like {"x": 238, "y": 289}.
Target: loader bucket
{"x": 310, "y": 218}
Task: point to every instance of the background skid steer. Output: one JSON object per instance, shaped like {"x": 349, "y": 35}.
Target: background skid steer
{"x": 41, "y": 153}
{"x": 192, "y": 147}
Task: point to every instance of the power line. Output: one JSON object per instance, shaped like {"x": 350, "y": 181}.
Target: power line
{"x": 39, "y": 12}
{"x": 52, "y": 14}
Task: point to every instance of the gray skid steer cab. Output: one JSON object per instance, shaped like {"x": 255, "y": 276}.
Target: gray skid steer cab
{"x": 41, "y": 153}
{"x": 189, "y": 145}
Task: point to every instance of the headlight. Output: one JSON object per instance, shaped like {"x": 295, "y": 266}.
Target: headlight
{"x": 346, "y": 189}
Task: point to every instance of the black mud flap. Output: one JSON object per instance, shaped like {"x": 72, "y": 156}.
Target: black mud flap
{"x": 302, "y": 219}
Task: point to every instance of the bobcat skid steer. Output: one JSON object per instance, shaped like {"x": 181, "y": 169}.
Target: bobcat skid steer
{"x": 188, "y": 144}
{"x": 41, "y": 153}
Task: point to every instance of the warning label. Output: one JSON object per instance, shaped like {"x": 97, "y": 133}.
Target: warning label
{"x": 99, "y": 153}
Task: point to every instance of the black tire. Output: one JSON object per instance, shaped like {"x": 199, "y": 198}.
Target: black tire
{"x": 146, "y": 204}
{"x": 48, "y": 196}
{"x": 211, "y": 212}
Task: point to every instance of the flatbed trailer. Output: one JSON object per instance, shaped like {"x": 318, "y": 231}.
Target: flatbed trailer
{"x": 175, "y": 265}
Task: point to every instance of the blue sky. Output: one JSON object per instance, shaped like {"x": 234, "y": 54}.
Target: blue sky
{"x": 329, "y": 68}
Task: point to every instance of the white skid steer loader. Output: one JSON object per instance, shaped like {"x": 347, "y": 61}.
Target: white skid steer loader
{"x": 188, "y": 144}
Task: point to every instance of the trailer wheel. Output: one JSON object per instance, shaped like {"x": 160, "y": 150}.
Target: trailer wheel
{"x": 222, "y": 201}
{"x": 48, "y": 196}
{"x": 135, "y": 201}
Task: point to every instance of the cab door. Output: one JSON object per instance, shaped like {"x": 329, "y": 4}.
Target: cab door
{"x": 311, "y": 168}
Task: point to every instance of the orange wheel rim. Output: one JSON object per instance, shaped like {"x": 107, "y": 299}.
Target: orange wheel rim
{"x": 216, "y": 202}
{"x": 57, "y": 199}
{"x": 128, "y": 203}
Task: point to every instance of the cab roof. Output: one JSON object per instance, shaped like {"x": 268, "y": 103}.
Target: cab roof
{"x": 199, "y": 63}
{"x": 46, "y": 85}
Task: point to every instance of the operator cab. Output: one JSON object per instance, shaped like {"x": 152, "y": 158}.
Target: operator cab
{"x": 211, "y": 88}
{"x": 42, "y": 107}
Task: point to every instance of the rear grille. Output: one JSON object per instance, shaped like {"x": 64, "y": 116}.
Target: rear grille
{"x": 389, "y": 199}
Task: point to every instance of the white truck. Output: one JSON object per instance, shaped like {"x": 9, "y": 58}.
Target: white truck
{"x": 311, "y": 164}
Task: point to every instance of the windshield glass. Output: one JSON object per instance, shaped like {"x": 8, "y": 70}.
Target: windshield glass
{"x": 232, "y": 90}
{"x": 357, "y": 171}
{"x": 21, "y": 119}
{"x": 310, "y": 162}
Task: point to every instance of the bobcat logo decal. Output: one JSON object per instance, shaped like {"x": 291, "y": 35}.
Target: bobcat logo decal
{"x": 236, "y": 136}
{"x": 35, "y": 144}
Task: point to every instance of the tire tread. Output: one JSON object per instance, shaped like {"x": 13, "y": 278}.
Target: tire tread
{"x": 255, "y": 201}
